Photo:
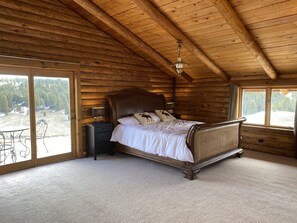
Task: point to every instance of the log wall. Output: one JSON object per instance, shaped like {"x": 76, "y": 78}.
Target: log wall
{"x": 204, "y": 100}
{"x": 208, "y": 100}
{"x": 48, "y": 30}
{"x": 274, "y": 141}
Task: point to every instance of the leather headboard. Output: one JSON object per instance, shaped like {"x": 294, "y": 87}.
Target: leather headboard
{"x": 132, "y": 101}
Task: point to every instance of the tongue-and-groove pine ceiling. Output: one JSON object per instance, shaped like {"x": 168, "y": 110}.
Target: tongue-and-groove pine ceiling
{"x": 244, "y": 39}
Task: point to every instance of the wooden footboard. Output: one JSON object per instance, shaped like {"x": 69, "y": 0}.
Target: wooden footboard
{"x": 211, "y": 143}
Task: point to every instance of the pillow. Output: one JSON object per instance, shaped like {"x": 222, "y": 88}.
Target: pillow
{"x": 146, "y": 118}
{"x": 130, "y": 120}
{"x": 155, "y": 117}
{"x": 164, "y": 115}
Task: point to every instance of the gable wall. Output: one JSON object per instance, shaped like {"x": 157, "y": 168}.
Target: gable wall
{"x": 48, "y": 30}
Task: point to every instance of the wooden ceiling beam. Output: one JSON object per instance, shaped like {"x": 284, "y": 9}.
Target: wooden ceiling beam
{"x": 164, "y": 22}
{"x": 159, "y": 61}
{"x": 235, "y": 22}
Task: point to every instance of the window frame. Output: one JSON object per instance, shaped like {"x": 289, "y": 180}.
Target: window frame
{"x": 268, "y": 93}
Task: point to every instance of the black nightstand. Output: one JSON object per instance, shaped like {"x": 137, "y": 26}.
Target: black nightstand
{"x": 176, "y": 116}
{"x": 99, "y": 134}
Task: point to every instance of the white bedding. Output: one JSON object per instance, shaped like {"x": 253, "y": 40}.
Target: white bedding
{"x": 165, "y": 139}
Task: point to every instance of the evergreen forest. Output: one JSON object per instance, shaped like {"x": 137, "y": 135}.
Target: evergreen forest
{"x": 254, "y": 102}
{"x": 50, "y": 94}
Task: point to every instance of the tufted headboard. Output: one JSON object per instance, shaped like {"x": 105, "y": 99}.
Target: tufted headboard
{"x": 128, "y": 102}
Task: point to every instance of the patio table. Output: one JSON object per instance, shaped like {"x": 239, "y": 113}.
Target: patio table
{"x": 12, "y": 132}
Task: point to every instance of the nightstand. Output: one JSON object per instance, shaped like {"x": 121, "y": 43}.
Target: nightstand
{"x": 176, "y": 116}
{"x": 99, "y": 134}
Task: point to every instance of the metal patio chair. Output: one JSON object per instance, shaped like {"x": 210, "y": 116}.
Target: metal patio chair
{"x": 41, "y": 129}
{"x": 6, "y": 148}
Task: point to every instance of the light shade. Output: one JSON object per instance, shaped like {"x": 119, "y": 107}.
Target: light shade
{"x": 170, "y": 106}
{"x": 98, "y": 111}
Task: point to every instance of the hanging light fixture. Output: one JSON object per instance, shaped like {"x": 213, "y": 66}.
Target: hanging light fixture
{"x": 179, "y": 65}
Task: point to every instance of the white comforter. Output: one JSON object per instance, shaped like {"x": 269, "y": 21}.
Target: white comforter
{"x": 164, "y": 139}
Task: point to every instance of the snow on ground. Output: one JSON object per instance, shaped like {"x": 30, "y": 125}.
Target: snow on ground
{"x": 279, "y": 118}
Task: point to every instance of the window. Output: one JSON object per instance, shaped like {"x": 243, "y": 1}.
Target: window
{"x": 268, "y": 106}
{"x": 253, "y": 106}
{"x": 283, "y": 107}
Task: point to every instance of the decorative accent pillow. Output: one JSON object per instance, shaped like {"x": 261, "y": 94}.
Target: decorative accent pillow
{"x": 155, "y": 117}
{"x": 130, "y": 120}
{"x": 145, "y": 118}
{"x": 164, "y": 115}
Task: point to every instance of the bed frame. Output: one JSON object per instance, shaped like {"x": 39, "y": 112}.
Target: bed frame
{"x": 208, "y": 143}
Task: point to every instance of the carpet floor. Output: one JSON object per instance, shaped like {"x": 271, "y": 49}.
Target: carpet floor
{"x": 256, "y": 188}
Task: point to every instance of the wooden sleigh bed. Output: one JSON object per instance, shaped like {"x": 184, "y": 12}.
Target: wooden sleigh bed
{"x": 208, "y": 143}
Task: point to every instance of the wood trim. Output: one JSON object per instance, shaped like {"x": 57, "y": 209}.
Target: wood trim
{"x": 36, "y": 63}
{"x": 16, "y": 166}
{"x": 267, "y": 106}
{"x": 33, "y": 140}
{"x": 51, "y": 73}
{"x": 54, "y": 159}
{"x": 78, "y": 118}
{"x": 163, "y": 21}
{"x": 74, "y": 114}
{"x": 127, "y": 35}
{"x": 247, "y": 39}
{"x": 239, "y": 102}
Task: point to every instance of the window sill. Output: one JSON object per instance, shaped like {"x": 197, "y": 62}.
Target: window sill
{"x": 270, "y": 128}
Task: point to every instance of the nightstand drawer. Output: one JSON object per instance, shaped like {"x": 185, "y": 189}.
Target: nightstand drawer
{"x": 105, "y": 147}
{"x": 106, "y": 127}
{"x": 102, "y": 136}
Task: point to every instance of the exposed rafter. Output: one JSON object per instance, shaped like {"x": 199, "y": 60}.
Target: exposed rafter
{"x": 234, "y": 21}
{"x": 163, "y": 21}
{"x": 127, "y": 35}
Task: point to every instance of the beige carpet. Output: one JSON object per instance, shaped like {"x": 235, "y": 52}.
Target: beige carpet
{"x": 127, "y": 189}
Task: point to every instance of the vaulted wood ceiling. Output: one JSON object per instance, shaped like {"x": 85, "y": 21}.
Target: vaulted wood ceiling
{"x": 239, "y": 38}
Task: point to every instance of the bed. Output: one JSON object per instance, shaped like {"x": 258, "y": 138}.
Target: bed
{"x": 207, "y": 143}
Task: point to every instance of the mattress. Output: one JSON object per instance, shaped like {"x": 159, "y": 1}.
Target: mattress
{"x": 167, "y": 139}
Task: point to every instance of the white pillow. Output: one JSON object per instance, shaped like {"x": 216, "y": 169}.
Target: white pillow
{"x": 155, "y": 117}
{"x": 146, "y": 118}
{"x": 130, "y": 120}
{"x": 164, "y": 115}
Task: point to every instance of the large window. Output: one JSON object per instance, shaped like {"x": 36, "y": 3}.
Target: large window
{"x": 268, "y": 106}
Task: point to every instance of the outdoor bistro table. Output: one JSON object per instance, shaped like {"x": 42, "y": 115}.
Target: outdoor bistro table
{"x": 9, "y": 135}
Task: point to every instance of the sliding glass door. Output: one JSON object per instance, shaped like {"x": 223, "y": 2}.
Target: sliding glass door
{"x": 14, "y": 119}
{"x": 52, "y": 115}
{"x": 36, "y": 110}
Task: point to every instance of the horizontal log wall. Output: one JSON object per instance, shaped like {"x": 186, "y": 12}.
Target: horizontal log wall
{"x": 204, "y": 100}
{"x": 274, "y": 141}
{"x": 208, "y": 100}
{"x": 48, "y": 30}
